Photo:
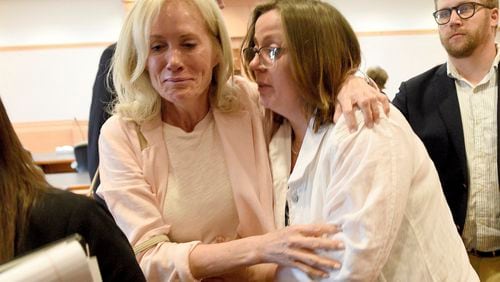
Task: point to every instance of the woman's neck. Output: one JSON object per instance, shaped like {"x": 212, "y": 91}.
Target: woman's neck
{"x": 299, "y": 128}
{"x": 185, "y": 117}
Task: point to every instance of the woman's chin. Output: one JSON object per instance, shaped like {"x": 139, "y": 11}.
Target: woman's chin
{"x": 266, "y": 104}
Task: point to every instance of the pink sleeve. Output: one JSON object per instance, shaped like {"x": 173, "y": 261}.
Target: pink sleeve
{"x": 134, "y": 204}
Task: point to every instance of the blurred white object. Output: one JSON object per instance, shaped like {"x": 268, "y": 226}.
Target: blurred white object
{"x": 66, "y": 149}
{"x": 65, "y": 260}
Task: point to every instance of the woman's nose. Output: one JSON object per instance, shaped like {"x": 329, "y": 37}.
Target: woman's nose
{"x": 174, "y": 59}
{"x": 255, "y": 64}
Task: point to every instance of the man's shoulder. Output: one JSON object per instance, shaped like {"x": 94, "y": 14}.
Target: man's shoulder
{"x": 109, "y": 51}
{"x": 436, "y": 72}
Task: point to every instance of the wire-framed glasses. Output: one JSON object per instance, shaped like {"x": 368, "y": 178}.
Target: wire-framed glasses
{"x": 267, "y": 55}
{"x": 464, "y": 11}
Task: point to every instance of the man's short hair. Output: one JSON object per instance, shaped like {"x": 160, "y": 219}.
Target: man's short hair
{"x": 489, "y": 3}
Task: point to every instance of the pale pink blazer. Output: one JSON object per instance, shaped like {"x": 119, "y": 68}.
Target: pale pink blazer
{"x": 134, "y": 181}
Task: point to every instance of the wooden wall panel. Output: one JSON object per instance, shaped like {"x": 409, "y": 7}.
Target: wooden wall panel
{"x": 45, "y": 136}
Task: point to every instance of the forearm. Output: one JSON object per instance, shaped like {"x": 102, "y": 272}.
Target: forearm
{"x": 208, "y": 260}
{"x": 294, "y": 246}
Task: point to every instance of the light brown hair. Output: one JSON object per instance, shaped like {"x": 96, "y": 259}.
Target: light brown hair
{"x": 322, "y": 47}
{"x": 21, "y": 182}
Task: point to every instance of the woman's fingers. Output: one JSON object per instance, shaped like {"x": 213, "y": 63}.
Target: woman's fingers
{"x": 315, "y": 230}
{"x": 317, "y": 244}
{"x": 356, "y": 93}
{"x": 314, "y": 264}
{"x": 311, "y": 272}
{"x": 304, "y": 247}
{"x": 301, "y": 246}
{"x": 344, "y": 107}
{"x": 386, "y": 104}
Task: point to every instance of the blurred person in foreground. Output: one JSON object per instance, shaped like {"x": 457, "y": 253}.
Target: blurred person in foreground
{"x": 35, "y": 214}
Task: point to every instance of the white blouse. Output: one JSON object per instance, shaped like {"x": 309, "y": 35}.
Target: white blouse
{"x": 380, "y": 186}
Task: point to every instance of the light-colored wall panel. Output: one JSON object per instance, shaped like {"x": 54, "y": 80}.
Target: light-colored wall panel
{"x": 48, "y": 84}
{"x": 402, "y": 56}
{"x": 55, "y": 82}
{"x": 370, "y": 15}
{"x": 28, "y": 22}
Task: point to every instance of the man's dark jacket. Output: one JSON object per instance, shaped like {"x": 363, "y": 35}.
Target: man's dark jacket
{"x": 102, "y": 97}
{"x": 429, "y": 102}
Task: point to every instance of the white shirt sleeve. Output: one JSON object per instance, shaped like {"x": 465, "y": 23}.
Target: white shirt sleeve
{"x": 371, "y": 173}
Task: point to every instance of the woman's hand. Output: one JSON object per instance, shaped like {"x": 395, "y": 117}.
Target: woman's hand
{"x": 356, "y": 92}
{"x": 296, "y": 246}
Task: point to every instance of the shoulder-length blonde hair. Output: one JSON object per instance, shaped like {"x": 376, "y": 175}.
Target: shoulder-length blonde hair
{"x": 21, "y": 183}
{"x": 322, "y": 47}
{"x": 137, "y": 100}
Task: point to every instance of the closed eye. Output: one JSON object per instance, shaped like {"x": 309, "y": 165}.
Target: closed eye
{"x": 189, "y": 45}
{"x": 157, "y": 47}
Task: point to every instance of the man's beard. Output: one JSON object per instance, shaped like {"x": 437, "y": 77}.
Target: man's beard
{"x": 463, "y": 50}
{"x": 469, "y": 43}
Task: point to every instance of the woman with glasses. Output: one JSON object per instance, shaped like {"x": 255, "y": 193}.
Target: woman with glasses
{"x": 378, "y": 185}
{"x": 183, "y": 161}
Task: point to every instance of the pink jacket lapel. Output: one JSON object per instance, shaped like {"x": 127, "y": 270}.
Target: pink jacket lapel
{"x": 249, "y": 172}
{"x": 155, "y": 156}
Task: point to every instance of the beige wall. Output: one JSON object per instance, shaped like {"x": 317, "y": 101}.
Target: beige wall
{"x": 45, "y": 136}
{"x": 51, "y": 50}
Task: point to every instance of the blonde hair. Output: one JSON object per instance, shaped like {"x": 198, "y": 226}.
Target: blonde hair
{"x": 320, "y": 60}
{"x": 137, "y": 100}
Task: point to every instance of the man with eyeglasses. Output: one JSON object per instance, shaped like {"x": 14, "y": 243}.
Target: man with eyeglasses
{"x": 453, "y": 108}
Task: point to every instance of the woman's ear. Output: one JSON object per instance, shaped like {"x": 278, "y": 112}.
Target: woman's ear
{"x": 494, "y": 17}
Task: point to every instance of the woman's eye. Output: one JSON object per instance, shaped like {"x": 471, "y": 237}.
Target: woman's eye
{"x": 156, "y": 47}
{"x": 189, "y": 45}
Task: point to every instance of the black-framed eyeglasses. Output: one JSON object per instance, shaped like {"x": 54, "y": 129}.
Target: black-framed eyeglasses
{"x": 464, "y": 11}
{"x": 267, "y": 55}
